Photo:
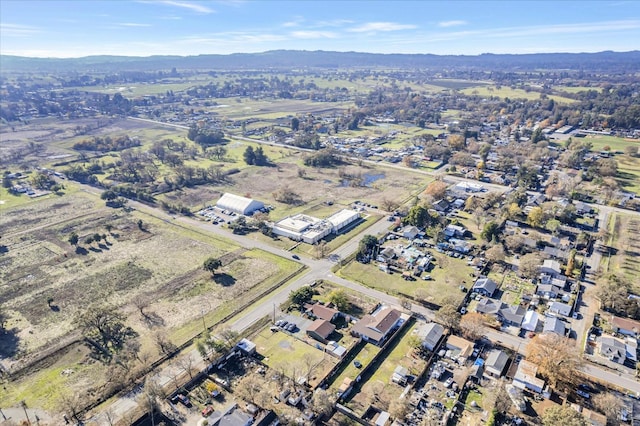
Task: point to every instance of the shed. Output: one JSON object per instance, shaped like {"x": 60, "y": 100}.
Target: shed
{"x": 247, "y": 347}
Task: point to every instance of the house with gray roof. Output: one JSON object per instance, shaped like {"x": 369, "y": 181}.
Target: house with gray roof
{"x": 488, "y": 306}
{"x": 430, "y": 334}
{"x": 484, "y": 286}
{"x": 554, "y": 325}
{"x": 560, "y": 308}
{"x": 613, "y": 349}
{"x": 496, "y": 363}
{"x": 512, "y": 314}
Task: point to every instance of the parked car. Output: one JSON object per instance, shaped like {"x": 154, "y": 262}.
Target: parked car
{"x": 184, "y": 400}
{"x": 583, "y": 394}
{"x": 448, "y": 382}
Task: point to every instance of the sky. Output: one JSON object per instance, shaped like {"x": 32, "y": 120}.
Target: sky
{"x": 79, "y": 28}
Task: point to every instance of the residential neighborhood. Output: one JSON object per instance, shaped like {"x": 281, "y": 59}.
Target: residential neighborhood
{"x": 311, "y": 237}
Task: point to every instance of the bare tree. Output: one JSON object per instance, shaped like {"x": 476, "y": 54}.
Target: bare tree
{"x": 250, "y": 388}
{"x": 322, "y": 402}
{"x": 557, "y": 359}
{"x": 71, "y": 405}
{"x": 186, "y": 363}
{"x": 472, "y": 325}
{"x": 609, "y": 405}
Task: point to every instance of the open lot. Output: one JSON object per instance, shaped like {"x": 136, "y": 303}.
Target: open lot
{"x": 448, "y": 274}
{"x": 614, "y": 142}
{"x": 288, "y": 354}
{"x": 628, "y": 173}
{"x": 625, "y": 241}
{"x": 507, "y": 92}
{"x": 47, "y": 284}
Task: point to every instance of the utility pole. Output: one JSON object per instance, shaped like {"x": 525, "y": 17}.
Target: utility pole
{"x": 24, "y": 407}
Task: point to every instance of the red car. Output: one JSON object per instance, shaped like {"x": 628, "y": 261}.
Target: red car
{"x": 207, "y": 411}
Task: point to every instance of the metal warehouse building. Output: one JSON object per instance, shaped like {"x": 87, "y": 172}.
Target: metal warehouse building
{"x": 238, "y": 204}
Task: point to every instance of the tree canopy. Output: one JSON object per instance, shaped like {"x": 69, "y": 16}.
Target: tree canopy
{"x": 211, "y": 264}
{"x": 563, "y": 415}
{"x": 557, "y": 359}
{"x": 301, "y": 296}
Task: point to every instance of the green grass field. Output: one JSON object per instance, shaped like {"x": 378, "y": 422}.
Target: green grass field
{"x": 615, "y": 143}
{"x": 507, "y": 92}
{"x": 629, "y": 173}
{"x": 283, "y": 352}
{"x": 577, "y": 89}
{"x": 444, "y": 284}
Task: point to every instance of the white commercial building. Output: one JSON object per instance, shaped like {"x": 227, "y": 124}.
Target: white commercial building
{"x": 342, "y": 218}
{"x": 238, "y": 204}
{"x": 309, "y": 229}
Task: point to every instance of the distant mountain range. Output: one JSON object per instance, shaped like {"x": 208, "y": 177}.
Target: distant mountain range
{"x": 300, "y": 59}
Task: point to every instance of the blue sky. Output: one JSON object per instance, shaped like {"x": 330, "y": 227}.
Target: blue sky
{"x": 188, "y": 27}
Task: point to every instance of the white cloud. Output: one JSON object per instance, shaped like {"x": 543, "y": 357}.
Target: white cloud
{"x": 447, "y": 24}
{"x": 313, "y": 34}
{"x": 295, "y": 22}
{"x": 193, "y": 6}
{"x": 381, "y": 26}
{"x": 16, "y": 30}
{"x": 332, "y": 23}
{"x": 538, "y": 30}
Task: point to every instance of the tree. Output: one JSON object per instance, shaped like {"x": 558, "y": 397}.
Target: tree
{"x": 339, "y": 298}
{"x": 563, "y": 415}
{"x": 529, "y": 265}
{"x": 557, "y": 359}
{"x": 418, "y": 216}
{"x": 570, "y": 263}
{"x": 368, "y": 244}
{"x": 301, "y": 296}
{"x": 436, "y": 189}
{"x": 607, "y": 167}
{"x": 490, "y": 231}
{"x": 612, "y": 291}
{"x": 456, "y": 142}
{"x": 295, "y": 124}
{"x": 495, "y": 253}
{"x": 472, "y": 325}
{"x": 322, "y": 402}
{"x": 252, "y": 389}
{"x": 73, "y": 239}
{"x": 260, "y": 158}
{"x": 631, "y": 150}
{"x": 448, "y": 316}
{"x": 104, "y": 327}
{"x": 514, "y": 211}
{"x": 514, "y": 243}
{"x": 151, "y": 397}
{"x": 249, "y": 155}
{"x": 211, "y": 265}
{"x": 536, "y": 217}
{"x": 608, "y": 404}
